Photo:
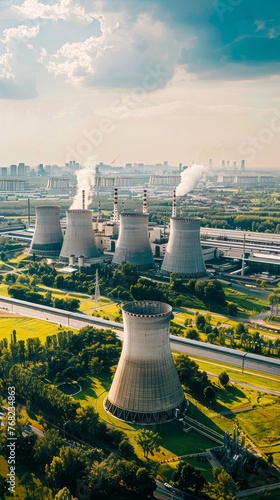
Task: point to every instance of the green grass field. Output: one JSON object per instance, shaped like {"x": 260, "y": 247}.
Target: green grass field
{"x": 26, "y": 327}
{"x": 248, "y": 304}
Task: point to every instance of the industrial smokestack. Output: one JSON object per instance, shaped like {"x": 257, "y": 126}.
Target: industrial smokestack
{"x": 146, "y": 387}
{"x": 115, "y": 215}
{"x": 183, "y": 254}
{"x": 174, "y": 210}
{"x": 47, "y": 239}
{"x": 28, "y": 210}
{"x": 145, "y": 209}
{"x": 83, "y": 199}
{"x": 79, "y": 237}
{"x": 133, "y": 244}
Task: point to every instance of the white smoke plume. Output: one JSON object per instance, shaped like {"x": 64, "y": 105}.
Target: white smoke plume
{"x": 189, "y": 179}
{"x": 85, "y": 182}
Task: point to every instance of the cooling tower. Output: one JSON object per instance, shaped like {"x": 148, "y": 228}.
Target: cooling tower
{"x": 133, "y": 244}
{"x": 146, "y": 387}
{"x": 183, "y": 254}
{"x": 48, "y": 237}
{"x": 79, "y": 237}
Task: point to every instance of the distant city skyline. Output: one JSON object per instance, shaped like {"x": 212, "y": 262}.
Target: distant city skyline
{"x": 147, "y": 81}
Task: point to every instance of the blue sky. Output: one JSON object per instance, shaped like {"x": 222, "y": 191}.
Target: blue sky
{"x": 149, "y": 80}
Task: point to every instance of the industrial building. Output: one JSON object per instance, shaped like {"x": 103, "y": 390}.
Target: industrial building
{"x": 146, "y": 388}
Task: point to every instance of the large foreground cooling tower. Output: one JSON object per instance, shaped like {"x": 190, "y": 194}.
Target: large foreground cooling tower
{"x": 183, "y": 254}
{"x": 146, "y": 387}
{"x": 79, "y": 237}
{"x": 48, "y": 237}
{"x": 133, "y": 244}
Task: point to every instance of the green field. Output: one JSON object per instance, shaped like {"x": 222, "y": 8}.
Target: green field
{"x": 26, "y": 327}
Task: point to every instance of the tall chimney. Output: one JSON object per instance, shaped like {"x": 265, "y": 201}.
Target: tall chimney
{"x": 174, "y": 211}
{"x": 145, "y": 210}
{"x": 115, "y": 215}
{"x": 83, "y": 199}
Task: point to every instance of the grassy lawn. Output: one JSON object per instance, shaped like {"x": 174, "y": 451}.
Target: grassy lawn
{"x": 26, "y": 327}
{"x": 244, "y": 302}
{"x": 4, "y": 290}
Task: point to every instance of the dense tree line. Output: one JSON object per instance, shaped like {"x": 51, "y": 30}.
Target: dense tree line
{"x": 79, "y": 470}
{"x": 190, "y": 376}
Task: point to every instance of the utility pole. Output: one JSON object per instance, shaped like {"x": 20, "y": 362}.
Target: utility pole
{"x": 243, "y": 256}
{"x": 97, "y": 289}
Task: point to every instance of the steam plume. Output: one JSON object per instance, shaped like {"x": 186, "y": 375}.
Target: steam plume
{"x": 189, "y": 179}
{"x": 85, "y": 182}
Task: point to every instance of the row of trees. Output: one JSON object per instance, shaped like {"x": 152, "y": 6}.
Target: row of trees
{"x": 23, "y": 292}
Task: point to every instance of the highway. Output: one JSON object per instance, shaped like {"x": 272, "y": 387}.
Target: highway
{"x": 244, "y": 360}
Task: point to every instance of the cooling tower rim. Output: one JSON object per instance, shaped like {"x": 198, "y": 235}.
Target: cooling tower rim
{"x": 188, "y": 219}
{"x": 130, "y": 309}
{"x": 78, "y": 211}
{"x": 134, "y": 214}
{"x": 47, "y": 207}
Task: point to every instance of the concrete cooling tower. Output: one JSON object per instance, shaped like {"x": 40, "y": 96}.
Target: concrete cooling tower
{"x": 183, "y": 254}
{"x": 146, "y": 387}
{"x": 47, "y": 239}
{"x": 133, "y": 244}
{"x": 79, "y": 237}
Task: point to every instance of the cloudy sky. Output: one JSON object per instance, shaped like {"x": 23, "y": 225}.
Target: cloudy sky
{"x": 145, "y": 80}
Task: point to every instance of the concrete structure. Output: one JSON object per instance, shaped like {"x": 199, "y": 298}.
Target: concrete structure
{"x": 58, "y": 184}
{"x": 146, "y": 387}
{"x": 79, "y": 236}
{"x": 183, "y": 254}
{"x": 133, "y": 244}
{"x": 13, "y": 185}
{"x": 47, "y": 238}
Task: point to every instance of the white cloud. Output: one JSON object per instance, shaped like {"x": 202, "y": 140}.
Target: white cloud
{"x": 67, "y": 10}
{"x": 22, "y": 32}
{"x": 120, "y": 56}
{"x": 10, "y": 37}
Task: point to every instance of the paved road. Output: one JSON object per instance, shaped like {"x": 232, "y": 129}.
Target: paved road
{"x": 199, "y": 349}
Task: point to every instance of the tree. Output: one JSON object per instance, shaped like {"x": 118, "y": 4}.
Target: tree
{"x": 224, "y": 378}
{"x": 47, "y": 447}
{"x": 66, "y": 468}
{"x": 64, "y": 494}
{"x": 232, "y": 309}
{"x": 148, "y": 441}
{"x": 225, "y": 489}
{"x": 240, "y": 328}
{"x": 209, "y": 392}
{"x": 186, "y": 476}
{"x": 193, "y": 334}
{"x": 200, "y": 321}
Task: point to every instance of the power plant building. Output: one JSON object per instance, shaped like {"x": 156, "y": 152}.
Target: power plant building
{"x": 183, "y": 254}
{"x": 47, "y": 238}
{"x": 79, "y": 239}
{"x": 146, "y": 387}
{"x": 133, "y": 245}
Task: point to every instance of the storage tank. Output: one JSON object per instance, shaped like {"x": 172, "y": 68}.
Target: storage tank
{"x": 146, "y": 387}
{"x": 183, "y": 254}
{"x": 133, "y": 244}
{"x": 47, "y": 238}
{"x": 79, "y": 238}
